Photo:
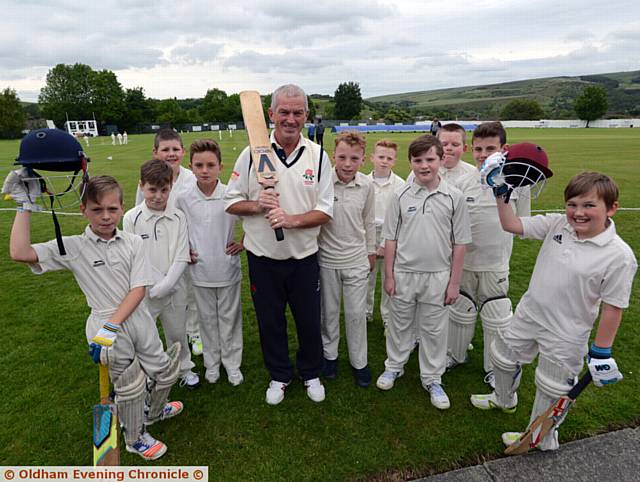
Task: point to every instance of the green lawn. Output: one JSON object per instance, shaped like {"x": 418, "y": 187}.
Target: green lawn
{"x": 49, "y": 383}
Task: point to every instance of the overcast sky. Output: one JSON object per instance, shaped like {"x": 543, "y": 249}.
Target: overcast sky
{"x": 182, "y": 48}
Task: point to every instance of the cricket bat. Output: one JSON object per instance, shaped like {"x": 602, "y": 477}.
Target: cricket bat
{"x": 546, "y": 422}
{"x": 105, "y": 426}
{"x": 264, "y": 159}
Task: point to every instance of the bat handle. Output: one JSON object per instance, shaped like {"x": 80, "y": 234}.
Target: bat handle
{"x": 104, "y": 382}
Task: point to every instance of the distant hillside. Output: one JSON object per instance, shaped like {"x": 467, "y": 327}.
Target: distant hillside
{"x": 555, "y": 95}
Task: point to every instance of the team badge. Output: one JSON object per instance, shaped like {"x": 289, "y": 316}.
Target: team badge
{"x": 558, "y": 238}
{"x": 308, "y": 177}
{"x": 234, "y": 176}
{"x": 412, "y": 209}
{"x": 98, "y": 263}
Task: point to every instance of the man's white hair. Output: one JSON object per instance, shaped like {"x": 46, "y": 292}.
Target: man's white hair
{"x": 288, "y": 90}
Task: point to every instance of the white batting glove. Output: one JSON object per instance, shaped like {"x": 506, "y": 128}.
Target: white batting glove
{"x": 603, "y": 367}
{"x": 107, "y": 334}
{"x": 490, "y": 168}
{"x": 23, "y": 189}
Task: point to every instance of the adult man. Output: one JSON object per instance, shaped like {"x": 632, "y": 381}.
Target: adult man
{"x": 286, "y": 271}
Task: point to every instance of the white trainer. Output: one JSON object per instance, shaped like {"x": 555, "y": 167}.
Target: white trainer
{"x": 212, "y": 376}
{"x": 190, "y": 380}
{"x": 235, "y": 377}
{"x": 490, "y": 401}
{"x": 147, "y": 447}
{"x": 387, "y": 379}
{"x": 315, "y": 389}
{"x": 439, "y": 398}
{"x": 509, "y": 438}
{"x": 275, "y": 392}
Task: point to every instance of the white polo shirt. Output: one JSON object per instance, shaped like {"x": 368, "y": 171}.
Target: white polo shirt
{"x": 164, "y": 234}
{"x": 450, "y": 175}
{"x": 572, "y": 276}
{"x": 185, "y": 180}
{"x": 426, "y": 225}
{"x": 491, "y": 246}
{"x": 211, "y": 229}
{"x": 105, "y": 270}
{"x": 350, "y": 236}
{"x": 383, "y": 192}
{"x": 300, "y": 191}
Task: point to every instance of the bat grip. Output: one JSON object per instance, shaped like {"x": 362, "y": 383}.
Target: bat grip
{"x": 581, "y": 385}
{"x": 104, "y": 382}
{"x": 279, "y": 231}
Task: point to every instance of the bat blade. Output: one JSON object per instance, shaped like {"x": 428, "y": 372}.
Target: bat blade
{"x": 264, "y": 159}
{"x": 105, "y": 426}
{"x": 547, "y": 421}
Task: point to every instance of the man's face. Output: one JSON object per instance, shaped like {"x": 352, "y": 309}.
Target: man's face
{"x": 348, "y": 160}
{"x": 483, "y": 147}
{"x": 288, "y": 117}
{"x": 170, "y": 151}
{"x": 155, "y": 197}
{"x": 105, "y": 214}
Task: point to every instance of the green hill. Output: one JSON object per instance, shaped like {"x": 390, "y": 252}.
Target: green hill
{"x": 555, "y": 95}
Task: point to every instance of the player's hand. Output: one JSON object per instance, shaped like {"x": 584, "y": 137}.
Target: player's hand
{"x": 107, "y": 334}
{"x": 23, "y": 188}
{"x": 233, "y": 248}
{"x": 372, "y": 262}
{"x": 451, "y": 294}
{"x": 194, "y": 256}
{"x": 380, "y": 252}
{"x": 489, "y": 171}
{"x": 390, "y": 286}
{"x": 603, "y": 367}
{"x": 268, "y": 200}
{"x": 279, "y": 219}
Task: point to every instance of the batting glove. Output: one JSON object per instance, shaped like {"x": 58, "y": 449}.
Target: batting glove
{"x": 107, "y": 334}
{"x": 491, "y": 176}
{"x": 23, "y": 188}
{"x": 603, "y": 368}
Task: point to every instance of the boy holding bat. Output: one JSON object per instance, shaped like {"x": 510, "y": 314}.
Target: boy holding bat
{"x": 583, "y": 267}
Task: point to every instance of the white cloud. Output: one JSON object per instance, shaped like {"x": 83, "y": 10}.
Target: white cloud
{"x": 181, "y": 49}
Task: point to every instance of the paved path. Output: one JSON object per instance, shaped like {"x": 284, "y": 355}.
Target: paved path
{"x": 611, "y": 457}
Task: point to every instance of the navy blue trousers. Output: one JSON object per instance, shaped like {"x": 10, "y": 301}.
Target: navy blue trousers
{"x": 274, "y": 284}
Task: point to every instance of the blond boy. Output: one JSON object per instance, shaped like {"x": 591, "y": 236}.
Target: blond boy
{"x": 425, "y": 231}
{"x": 215, "y": 271}
{"x": 385, "y": 182}
{"x": 485, "y": 279}
{"x": 583, "y": 268}
{"x": 163, "y": 228}
{"x": 346, "y": 256}
{"x": 110, "y": 268}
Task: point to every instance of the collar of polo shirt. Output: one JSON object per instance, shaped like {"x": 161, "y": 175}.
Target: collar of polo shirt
{"x": 97, "y": 239}
{"x": 602, "y": 239}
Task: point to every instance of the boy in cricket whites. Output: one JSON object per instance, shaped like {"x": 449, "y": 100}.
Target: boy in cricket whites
{"x": 385, "y": 182}
{"x": 111, "y": 270}
{"x": 346, "y": 256}
{"x": 485, "y": 279}
{"x": 453, "y": 138}
{"x": 215, "y": 269}
{"x": 163, "y": 228}
{"x": 583, "y": 267}
{"x": 168, "y": 147}
{"x": 425, "y": 231}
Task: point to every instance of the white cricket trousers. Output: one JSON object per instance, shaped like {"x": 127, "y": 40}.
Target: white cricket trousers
{"x": 350, "y": 285}
{"x": 220, "y": 326}
{"x": 172, "y": 313}
{"x": 418, "y": 309}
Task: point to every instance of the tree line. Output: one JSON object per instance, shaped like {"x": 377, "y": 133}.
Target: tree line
{"x": 78, "y": 92}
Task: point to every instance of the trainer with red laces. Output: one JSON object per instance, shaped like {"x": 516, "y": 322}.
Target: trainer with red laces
{"x": 286, "y": 272}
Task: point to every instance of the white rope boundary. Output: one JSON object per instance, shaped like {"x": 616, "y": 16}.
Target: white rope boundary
{"x": 533, "y": 211}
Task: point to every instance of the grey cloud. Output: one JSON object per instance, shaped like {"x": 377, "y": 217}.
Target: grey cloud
{"x": 295, "y": 62}
{"x": 198, "y": 52}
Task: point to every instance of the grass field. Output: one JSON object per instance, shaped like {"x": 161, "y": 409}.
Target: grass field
{"x": 49, "y": 383}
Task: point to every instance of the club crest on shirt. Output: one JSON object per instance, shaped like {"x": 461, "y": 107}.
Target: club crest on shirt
{"x": 412, "y": 209}
{"x": 308, "y": 177}
{"x": 144, "y": 236}
{"x": 558, "y": 238}
{"x": 98, "y": 263}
